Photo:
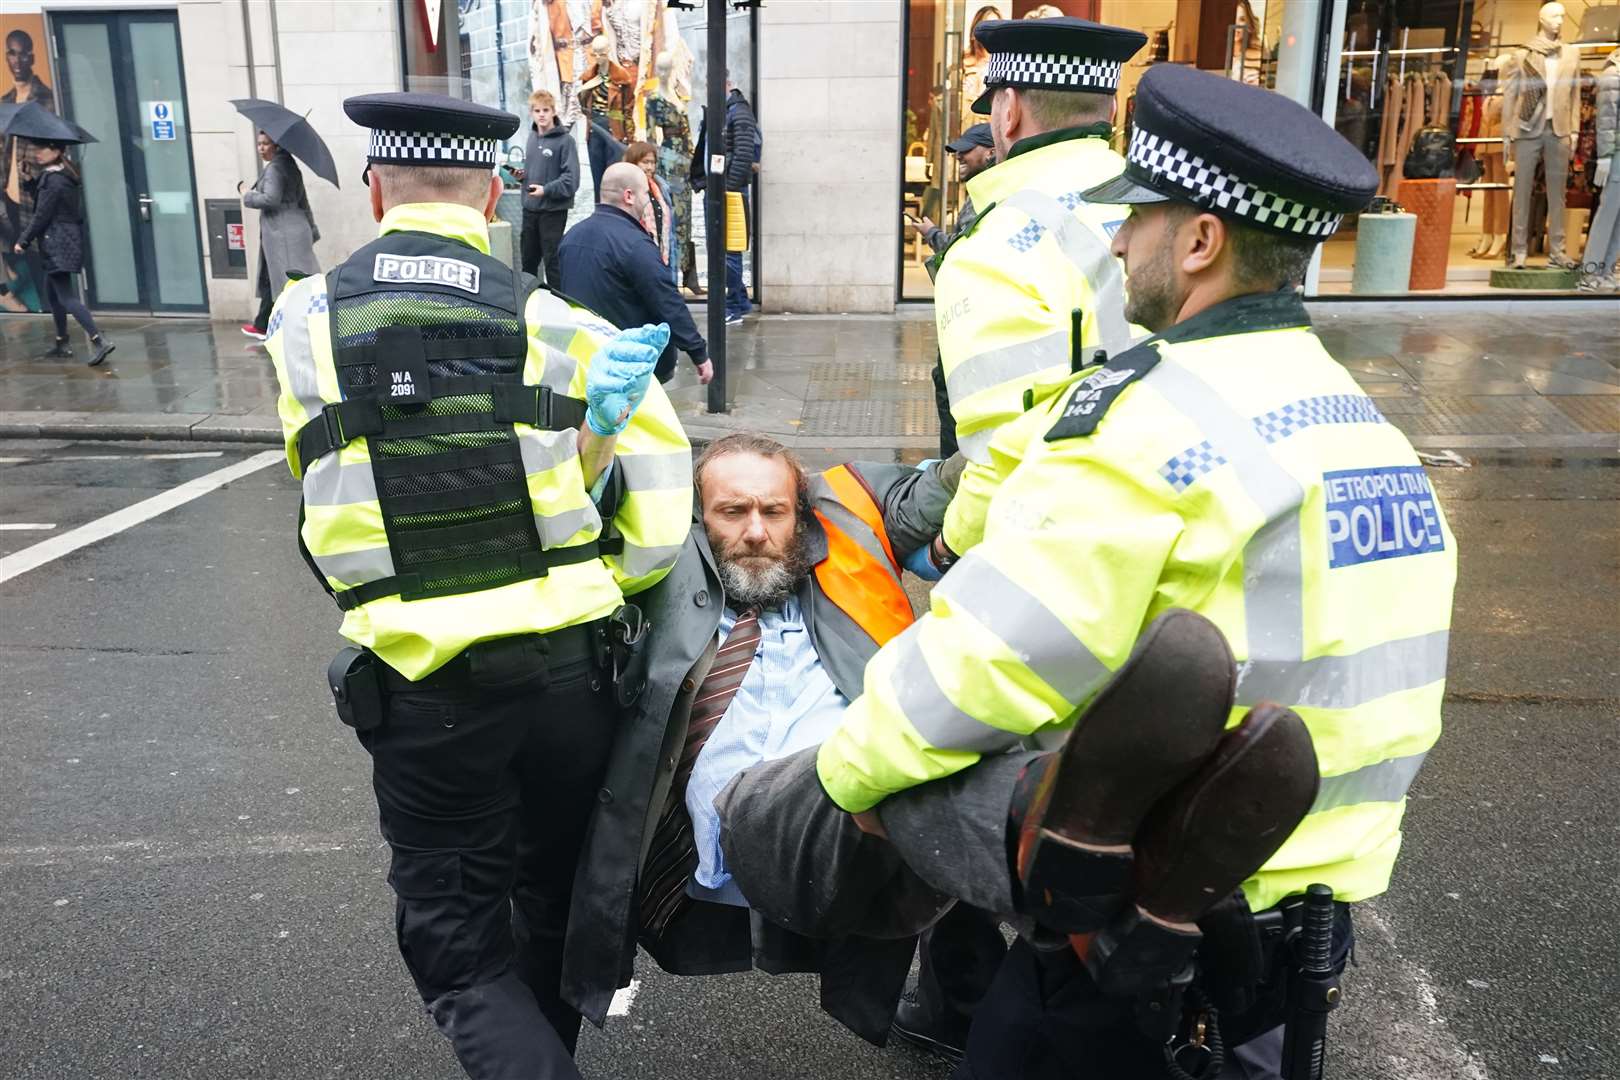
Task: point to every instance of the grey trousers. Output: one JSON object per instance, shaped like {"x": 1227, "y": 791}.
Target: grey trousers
{"x": 1603, "y": 239}
{"x": 1554, "y": 151}
{"x": 805, "y": 865}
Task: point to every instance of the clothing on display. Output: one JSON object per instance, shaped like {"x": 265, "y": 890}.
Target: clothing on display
{"x": 1603, "y": 241}
{"x": 1413, "y": 102}
{"x": 1540, "y": 118}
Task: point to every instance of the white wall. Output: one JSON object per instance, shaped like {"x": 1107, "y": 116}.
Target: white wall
{"x": 829, "y": 108}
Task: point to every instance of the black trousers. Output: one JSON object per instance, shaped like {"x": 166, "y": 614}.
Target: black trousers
{"x": 542, "y": 235}
{"x": 942, "y": 403}
{"x": 64, "y": 300}
{"x": 267, "y": 300}
{"x": 484, "y": 791}
{"x": 1045, "y": 1019}
{"x": 957, "y": 959}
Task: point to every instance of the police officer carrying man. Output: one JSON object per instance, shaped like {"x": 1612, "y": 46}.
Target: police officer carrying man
{"x": 488, "y": 471}
{"x": 1032, "y": 283}
{"x": 1016, "y": 294}
{"x": 1228, "y": 465}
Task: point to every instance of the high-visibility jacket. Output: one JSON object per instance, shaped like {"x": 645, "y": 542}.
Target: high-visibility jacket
{"x": 375, "y": 508}
{"x": 860, "y": 573}
{"x": 1013, "y": 294}
{"x": 1229, "y": 466}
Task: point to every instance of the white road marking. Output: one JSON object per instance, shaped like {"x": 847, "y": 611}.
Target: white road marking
{"x": 13, "y": 460}
{"x": 25, "y": 526}
{"x": 623, "y": 998}
{"x": 57, "y": 546}
{"x": 146, "y": 457}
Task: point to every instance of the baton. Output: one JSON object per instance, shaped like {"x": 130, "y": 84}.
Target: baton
{"x": 1313, "y": 990}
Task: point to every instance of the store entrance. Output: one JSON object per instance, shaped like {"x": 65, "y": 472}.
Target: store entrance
{"x": 120, "y": 79}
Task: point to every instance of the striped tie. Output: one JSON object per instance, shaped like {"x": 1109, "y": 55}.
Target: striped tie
{"x": 672, "y": 857}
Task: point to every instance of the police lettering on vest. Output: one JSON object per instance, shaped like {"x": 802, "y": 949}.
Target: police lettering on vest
{"x": 426, "y": 270}
{"x": 1380, "y": 514}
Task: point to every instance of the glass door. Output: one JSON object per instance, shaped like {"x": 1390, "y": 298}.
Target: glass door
{"x": 121, "y": 80}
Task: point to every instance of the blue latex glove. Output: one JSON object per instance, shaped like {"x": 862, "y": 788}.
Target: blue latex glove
{"x": 619, "y": 375}
{"x": 919, "y": 563}
{"x": 922, "y": 466}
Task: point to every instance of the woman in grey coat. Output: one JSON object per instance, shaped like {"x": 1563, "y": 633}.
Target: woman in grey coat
{"x": 287, "y": 231}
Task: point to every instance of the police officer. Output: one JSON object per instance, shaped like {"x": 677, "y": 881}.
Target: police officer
{"x": 1228, "y": 465}
{"x": 1033, "y": 282}
{"x": 488, "y": 471}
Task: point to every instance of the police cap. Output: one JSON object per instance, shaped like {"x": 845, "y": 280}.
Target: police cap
{"x": 430, "y": 129}
{"x": 977, "y": 135}
{"x": 1238, "y": 151}
{"x": 1054, "y": 54}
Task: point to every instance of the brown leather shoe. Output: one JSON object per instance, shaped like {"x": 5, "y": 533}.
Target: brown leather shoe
{"x": 1146, "y": 731}
{"x": 1201, "y": 842}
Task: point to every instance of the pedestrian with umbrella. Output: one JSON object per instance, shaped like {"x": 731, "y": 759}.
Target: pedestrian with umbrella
{"x": 58, "y": 221}
{"x": 287, "y": 230}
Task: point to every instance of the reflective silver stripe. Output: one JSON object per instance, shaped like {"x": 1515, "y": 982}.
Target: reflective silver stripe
{"x": 543, "y": 450}
{"x": 1090, "y": 255}
{"x": 1026, "y": 626}
{"x": 975, "y": 446}
{"x": 853, "y": 527}
{"x": 1346, "y": 682}
{"x": 328, "y": 482}
{"x": 640, "y": 561}
{"x": 651, "y": 472}
{"x": 1018, "y": 363}
{"x": 554, "y": 529}
{"x": 935, "y": 716}
{"x": 1386, "y": 781}
{"x": 297, "y": 355}
{"x": 559, "y": 370}
{"x": 1273, "y": 578}
{"x": 357, "y": 567}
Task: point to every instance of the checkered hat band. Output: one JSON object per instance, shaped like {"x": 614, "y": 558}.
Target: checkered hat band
{"x": 1054, "y": 70}
{"x": 1213, "y": 188}
{"x": 422, "y": 148}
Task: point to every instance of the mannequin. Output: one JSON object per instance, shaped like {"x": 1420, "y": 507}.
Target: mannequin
{"x": 1494, "y": 221}
{"x": 1603, "y": 241}
{"x": 1541, "y": 109}
{"x": 669, "y": 129}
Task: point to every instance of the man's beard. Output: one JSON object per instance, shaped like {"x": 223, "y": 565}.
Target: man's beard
{"x": 763, "y": 581}
{"x": 1150, "y": 299}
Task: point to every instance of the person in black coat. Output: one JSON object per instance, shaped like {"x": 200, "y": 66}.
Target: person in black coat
{"x": 742, "y": 143}
{"x": 58, "y": 225}
{"x": 612, "y": 266}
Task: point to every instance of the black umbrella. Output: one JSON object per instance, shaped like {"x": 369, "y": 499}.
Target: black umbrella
{"x": 31, "y": 120}
{"x": 292, "y": 133}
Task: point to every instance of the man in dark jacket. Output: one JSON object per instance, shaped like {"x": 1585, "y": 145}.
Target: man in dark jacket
{"x": 742, "y": 161}
{"x": 713, "y": 576}
{"x": 612, "y": 266}
{"x": 550, "y": 177}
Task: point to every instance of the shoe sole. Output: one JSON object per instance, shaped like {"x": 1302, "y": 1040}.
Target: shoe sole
{"x": 1149, "y": 728}
{"x": 1222, "y": 825}
{"x": 94, "y": 361}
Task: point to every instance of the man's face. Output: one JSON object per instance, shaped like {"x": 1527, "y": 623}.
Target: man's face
{"x": 750, "y": 512}
{"x": 974, "y": 160}
{"x": 20, "y": 56}
{"x": 1146, "y": 243}
{"x": 543, "y": 116}
{"x": 635, "y": 197}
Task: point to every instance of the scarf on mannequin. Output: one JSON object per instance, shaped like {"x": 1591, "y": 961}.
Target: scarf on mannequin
{"x": 1535, "y": 82}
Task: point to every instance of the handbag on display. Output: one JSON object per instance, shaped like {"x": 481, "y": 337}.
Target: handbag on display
{"x": 1433, "y": 155}
{"x": 917, "y": 164}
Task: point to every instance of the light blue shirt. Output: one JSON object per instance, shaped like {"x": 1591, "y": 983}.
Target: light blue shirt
{"x": 787, "y": 702}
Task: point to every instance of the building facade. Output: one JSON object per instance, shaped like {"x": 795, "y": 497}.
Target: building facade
{"x": 855, "y": 98}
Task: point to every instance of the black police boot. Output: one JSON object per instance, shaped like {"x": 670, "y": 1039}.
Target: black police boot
{"x": 930, "y": 1029}
{"x": 1149, "y": 728}
{"x": 60, "y": 351}
{"x": 102, "y": 347}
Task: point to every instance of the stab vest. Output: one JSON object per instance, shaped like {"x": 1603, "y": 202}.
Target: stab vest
{"x": 428, "y": 348}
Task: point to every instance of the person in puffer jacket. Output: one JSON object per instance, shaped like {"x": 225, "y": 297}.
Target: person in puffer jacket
{"x": 1599, "y": 264}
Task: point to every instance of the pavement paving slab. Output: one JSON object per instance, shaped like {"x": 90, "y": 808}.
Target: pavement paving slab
{"x": 1501, "y": 375}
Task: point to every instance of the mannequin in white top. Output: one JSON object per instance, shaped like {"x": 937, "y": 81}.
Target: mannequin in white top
{"x": 1541, "y": 108}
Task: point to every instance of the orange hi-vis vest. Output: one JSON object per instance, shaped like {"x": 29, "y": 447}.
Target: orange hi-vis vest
{"x": 860, "y": 574}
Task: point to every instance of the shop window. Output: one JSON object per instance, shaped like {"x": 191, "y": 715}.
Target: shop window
{"x": 1434, "y": 94}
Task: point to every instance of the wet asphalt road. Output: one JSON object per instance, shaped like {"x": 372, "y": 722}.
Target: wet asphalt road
{"x": 193, "y": 885}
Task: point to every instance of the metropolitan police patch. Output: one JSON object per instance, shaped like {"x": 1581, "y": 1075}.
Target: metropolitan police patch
{"x": 426, "y": 270}
{"x": 1380, "y": 514}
